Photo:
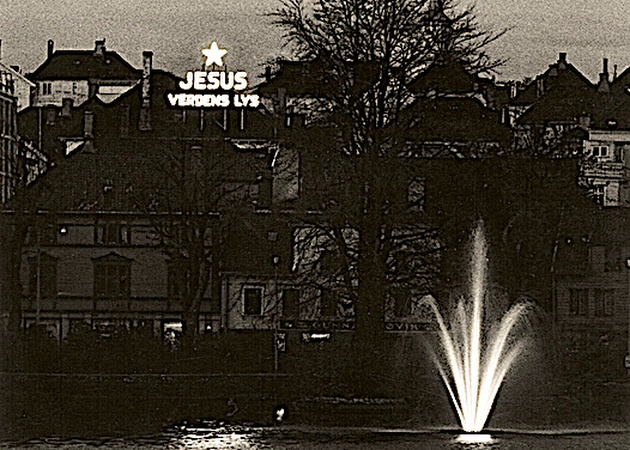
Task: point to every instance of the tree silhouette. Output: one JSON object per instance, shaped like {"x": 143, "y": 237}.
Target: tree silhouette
{"x": 363, "y": 55}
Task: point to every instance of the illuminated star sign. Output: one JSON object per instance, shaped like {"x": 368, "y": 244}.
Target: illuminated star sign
{"x": 214, "y": 55}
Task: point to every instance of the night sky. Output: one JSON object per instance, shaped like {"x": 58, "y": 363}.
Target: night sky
{"x": 176, "y": 31}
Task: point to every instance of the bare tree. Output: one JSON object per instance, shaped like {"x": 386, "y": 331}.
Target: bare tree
{"x": 196, "y": 182}
{"x": 371, "y": 50}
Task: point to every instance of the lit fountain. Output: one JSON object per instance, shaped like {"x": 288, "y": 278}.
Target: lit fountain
{"x": 475, "y": 359}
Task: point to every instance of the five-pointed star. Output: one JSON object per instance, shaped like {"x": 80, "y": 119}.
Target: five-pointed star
{"x": 214, "y": 55}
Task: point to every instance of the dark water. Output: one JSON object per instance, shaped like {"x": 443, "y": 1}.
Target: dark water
{"x": 218, "y": 436}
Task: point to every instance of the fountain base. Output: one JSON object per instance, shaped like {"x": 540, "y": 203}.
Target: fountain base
{"x": 474, "y": 438}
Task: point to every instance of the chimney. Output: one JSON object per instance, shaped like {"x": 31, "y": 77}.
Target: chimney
{"x": 88, "y": 125}
{"x": 51, "y": 47}
{"x": 513, "y": 90}
{"x": 145, "y": 110}
{"x": 99, "y": 48}
{"x": 88, "y": 131}
{"x": 267, "y": 73}
{"x": 604, "y": 84}
{"x": 585, "y": 120}
{"x": 540, "y": 87}
{"x": 562, "y": 60}
{"x": 66, "y": 107}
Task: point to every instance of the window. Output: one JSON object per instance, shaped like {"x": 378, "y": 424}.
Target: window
{"x": 125, "y": 119}
{"x": 43, "y": 274}
{"x": 241, "y": 119}
{"x": 178, "y": 278}
{"x": 291, "y": 302}
{"x": 604, "y": 302}
{"x": 613, "y": 259}
{"x": 578, "y": 302}
{"x": 109, "y": 195}
{"x": 600, "y": 151}
{"x": 330, "y": 262}
{"x": 401, "y": 302}
{"x": 416, "y": 194}
{"x": 46, "y": 88}
{"x": 598, "y": 258}
{"x": 51, "y": 115}
{"x": 252, "y": 301}
{"x": 44, "y": 234}
{"x": 112, "y": 276}
{"x": 112, "y": 232}
{"x": 328, "y": 303}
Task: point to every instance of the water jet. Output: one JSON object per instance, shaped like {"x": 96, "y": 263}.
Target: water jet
{"x": 475, "y": 355}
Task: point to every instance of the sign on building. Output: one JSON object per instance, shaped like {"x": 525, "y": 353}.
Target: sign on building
{"x": 213, "y": 88}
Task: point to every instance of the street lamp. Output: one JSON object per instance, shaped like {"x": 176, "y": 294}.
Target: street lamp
{"x": 276, "y": 262}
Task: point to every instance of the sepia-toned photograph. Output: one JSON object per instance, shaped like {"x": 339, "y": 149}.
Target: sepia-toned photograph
{"x": 314, "y": 224}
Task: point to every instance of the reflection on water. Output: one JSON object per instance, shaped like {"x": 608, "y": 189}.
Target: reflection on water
{"x": 213, "y": 435}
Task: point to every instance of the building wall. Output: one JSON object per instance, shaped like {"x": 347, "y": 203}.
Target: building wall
{"x": 22, "y": 87}
{"x": 592, "y": 298}
{"x": 71, "y": 245}
{"x": 617, "y": 283}
{"x": 52, "y": 92}
{"x": 23, "y": 92}
{"x": 9, "y": 173}
{"x": 234, "y": 287}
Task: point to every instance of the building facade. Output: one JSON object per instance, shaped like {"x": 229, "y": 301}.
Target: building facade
{"x": 9, "y": 167}
{"x": 78, "y": 75}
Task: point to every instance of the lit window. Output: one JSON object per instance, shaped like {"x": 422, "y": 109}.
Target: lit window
{"x": 252, "y": 301}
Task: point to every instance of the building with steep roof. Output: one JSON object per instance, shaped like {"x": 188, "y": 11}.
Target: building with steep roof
{"x": 124, "y": 167}
{"x": 562, "y": 114}
{"x": 78, "y": 75}
{"x": 456, "y": 113}
{"x": 22, "y": 87}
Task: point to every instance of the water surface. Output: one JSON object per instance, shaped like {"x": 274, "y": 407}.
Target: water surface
{"x": 212, "y": 435}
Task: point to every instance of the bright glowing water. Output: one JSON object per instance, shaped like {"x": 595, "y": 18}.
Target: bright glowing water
{"x": 475, "y": 356}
